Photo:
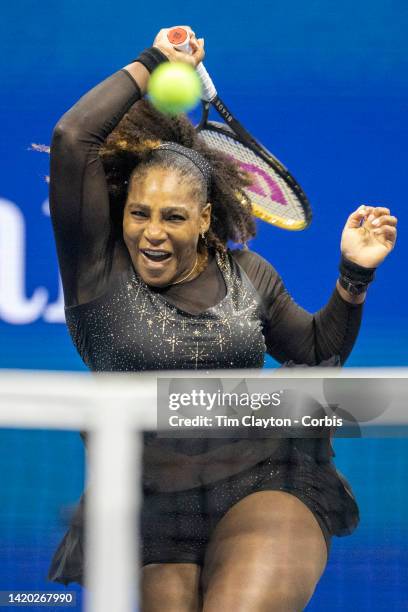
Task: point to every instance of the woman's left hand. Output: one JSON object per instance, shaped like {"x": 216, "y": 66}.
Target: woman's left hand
{"x": 369, "y": 236}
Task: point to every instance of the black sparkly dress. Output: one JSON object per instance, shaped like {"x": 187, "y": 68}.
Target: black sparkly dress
{"x": 229, "y": 317}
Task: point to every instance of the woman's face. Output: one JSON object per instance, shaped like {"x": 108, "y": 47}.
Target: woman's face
{"x": 161, "y": 226}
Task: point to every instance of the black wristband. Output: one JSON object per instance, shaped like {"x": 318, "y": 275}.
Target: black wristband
{"x": 354, "y": 278}
{"x": 151, "y": 58}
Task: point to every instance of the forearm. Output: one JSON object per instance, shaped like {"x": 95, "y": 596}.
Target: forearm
{"x": 336, "y": 326}
{"x": 340, "y": 319}
{"x": 97, "y": 113}
{"x": 293, "y": 334}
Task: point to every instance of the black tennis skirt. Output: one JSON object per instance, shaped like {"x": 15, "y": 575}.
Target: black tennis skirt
{"x": 176, "y": 527}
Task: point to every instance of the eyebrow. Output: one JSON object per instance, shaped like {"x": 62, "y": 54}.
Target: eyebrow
{"x": 175, "y": 208}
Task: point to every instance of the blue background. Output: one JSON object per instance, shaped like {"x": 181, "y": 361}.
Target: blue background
{"x": 324, "y": 85}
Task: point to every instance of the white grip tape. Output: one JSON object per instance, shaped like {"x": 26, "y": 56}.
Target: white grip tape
{"x": 209, "y": 91}
{"x": 208, "y": 88}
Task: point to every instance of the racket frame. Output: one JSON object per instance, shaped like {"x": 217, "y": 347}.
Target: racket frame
{"x": 240, "y": 134}
{"x": 180, "y": 39}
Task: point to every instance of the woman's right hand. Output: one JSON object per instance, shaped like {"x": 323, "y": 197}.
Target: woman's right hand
{"x": 176, "y": 55}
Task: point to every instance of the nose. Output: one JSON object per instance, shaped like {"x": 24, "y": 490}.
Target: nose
{"x": 154, "y": 232}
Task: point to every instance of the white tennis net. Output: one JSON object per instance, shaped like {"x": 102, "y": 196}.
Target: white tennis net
{"x": 111, "y": 407}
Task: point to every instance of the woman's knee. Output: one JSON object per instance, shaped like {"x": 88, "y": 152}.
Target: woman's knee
{"x": 290, "y": 593}
{"x": 170, "y": 587}
{"x": 282, "y": 593}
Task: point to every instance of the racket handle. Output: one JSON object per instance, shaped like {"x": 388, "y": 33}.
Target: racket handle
{"x": 180, "y": 39}
{"x": 209, "y": 91}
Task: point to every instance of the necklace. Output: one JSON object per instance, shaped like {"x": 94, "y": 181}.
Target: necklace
{"x": 199, "y": 268}
{"x": 189, "y": 274}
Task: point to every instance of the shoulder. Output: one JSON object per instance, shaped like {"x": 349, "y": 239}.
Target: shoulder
{"x": 247, "y": 257}
{"x": 260, "y": 272}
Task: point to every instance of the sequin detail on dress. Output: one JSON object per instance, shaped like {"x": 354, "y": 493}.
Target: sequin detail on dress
{"x": 132, "y": 328}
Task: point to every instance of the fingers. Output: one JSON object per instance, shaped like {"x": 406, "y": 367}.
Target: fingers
{"x": 380, "y": 210}
{"x": 358, "y": 216}
{"x": 197, "y": 47}
{"x": 371, "y": 217}
{"x": 385, "y": 219}
{"x": 383, "y": 226}
{"x": 198, "y": 52}
{"x": 194, "y": 44}
{"x": 387, "y": 233}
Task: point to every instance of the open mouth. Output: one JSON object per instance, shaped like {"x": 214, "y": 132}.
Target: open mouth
{"x": 155, "y": 255}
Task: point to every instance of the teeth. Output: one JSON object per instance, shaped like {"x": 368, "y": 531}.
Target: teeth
{"x": 156, "y": 254}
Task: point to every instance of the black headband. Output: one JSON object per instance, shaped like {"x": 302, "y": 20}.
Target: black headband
{"x": 196, "y": 158}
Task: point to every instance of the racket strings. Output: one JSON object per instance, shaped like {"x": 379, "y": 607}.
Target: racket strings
{"x": 269, "y": 190}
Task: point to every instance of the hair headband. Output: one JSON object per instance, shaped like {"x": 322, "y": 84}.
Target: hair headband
{"x": 196, "y": 158}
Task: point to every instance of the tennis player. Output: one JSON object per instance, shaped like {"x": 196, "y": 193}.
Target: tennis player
{"x": 142, "y": 212}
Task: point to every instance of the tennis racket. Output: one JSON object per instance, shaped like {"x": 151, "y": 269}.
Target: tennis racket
{"x": 276, "y": 196}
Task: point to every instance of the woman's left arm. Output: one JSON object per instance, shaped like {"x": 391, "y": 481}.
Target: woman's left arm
{"x": 293, "y": 334}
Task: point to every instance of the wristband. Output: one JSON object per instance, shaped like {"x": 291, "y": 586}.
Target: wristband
{"x": 151, "y": 58}
{"x": 354, "y": 278}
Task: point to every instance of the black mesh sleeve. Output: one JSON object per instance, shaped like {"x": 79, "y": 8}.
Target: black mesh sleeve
{"x": 79, "y": 201}
{"x": 293, "y": 334}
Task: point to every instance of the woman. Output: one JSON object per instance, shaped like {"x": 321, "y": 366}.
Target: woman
{"x": 142, "y": 212}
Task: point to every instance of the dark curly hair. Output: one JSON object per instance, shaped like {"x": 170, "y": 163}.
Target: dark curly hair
{"x": 129, "y": 148}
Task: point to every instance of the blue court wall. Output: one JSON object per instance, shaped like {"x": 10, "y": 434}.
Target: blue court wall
{"x": 323, "y": 84}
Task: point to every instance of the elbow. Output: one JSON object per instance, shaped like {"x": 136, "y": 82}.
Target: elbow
{"x": 329, "y": 356}
{"x": 59, "y": 133}
{"x": 328, "y": 350}
{"x": 64, "y": 136}
{"x": 342, "y": 357}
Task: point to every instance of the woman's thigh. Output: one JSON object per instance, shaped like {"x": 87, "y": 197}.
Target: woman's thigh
{"x": 170, "y": 587}
{"x": 267, "y": 553}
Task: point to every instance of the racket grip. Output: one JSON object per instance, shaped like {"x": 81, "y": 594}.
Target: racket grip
{"x": 208, "y": 88}
{"x": 209, "y": 91}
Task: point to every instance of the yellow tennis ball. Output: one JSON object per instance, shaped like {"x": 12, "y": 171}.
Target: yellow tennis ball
{"x": 174, "y": 88}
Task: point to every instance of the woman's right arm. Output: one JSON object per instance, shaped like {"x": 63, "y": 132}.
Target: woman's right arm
{"x": 79, "y": 200}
